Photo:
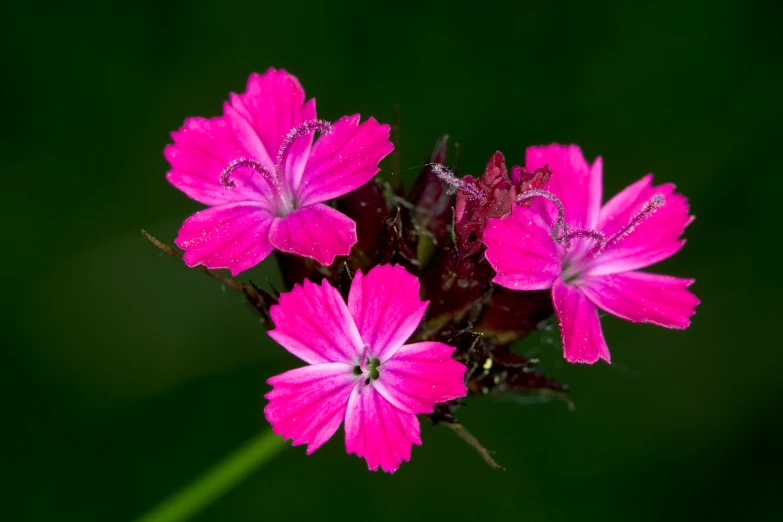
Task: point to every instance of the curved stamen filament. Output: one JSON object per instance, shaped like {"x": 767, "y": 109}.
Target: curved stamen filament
{"x": 297, "y": 132}
{"x": 455, "y": 183}
{"x": 281, "y": 192}
{"x": 561, "y": 228}
{"x": 561, "y": 234}
{"x": 585, "y": 233}
{"x": 565, "y": 237}
{"x": 647, "y": 210}
{"x": 270, "y": 177}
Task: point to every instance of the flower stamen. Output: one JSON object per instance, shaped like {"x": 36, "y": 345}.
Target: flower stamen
{"x": 561, "y": 233}
{"x": 455, "y": 184}
{"x": 561, "y": 227}
{"x": 270, "y": 177}
{"x": 297, "y": 132}
{"x": 585, "y": 233}
{"x": 647, "y": 210}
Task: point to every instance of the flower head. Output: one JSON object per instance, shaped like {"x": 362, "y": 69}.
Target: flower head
{"x": 266, "y": 181}
{"x": 592, "y": 262}
{"x": 359, "y": 368}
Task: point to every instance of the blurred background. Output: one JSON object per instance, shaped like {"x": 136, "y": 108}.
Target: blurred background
{"x": 126, "y": 374}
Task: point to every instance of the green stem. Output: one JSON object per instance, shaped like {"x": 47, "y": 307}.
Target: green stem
{"x": 218, "y": 480}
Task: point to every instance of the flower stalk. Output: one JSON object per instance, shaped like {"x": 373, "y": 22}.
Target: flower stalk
{"x": 202, "y": 492}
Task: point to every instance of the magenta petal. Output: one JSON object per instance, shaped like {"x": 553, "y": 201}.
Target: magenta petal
{"x": 583, "y": 340}
{"x": 273, "y": 104}
{"x": 202, "y": 148}
{"x": 377, "y": 431}
{"x": 420, "y": 375}
{"x": 233, "y": 236}
{"x": 313, "y": 323}
{"x": 308, "y": 404}
{"x": 317, "y": 231}
{"x": 618, "y": 210}
{"x": 574, "y": 181}
{"x": 653, "y": 240}
{"x": 344, "y": 159}
{"x": 521, "y": 250}
{"x": 387, "y": 308}
{"x": 644, "y": 298}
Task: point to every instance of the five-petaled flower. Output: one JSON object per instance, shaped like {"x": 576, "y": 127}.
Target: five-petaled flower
{"x": 266, "y": 181}
{"x": 594, "y": 263}
{"x": 359, "y": 368}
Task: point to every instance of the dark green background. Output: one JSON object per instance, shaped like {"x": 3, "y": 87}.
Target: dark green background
{"x": 128, "y": 374}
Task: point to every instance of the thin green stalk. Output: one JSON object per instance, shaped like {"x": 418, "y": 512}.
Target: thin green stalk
{"x": 218, "y": 480}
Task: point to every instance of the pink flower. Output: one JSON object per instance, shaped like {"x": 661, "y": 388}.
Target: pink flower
{"x": 593, "y": 264}
{"x": 359, "y": 369}
{"x": 266, "y": 181}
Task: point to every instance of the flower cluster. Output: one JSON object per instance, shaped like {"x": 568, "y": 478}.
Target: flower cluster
{"x": 402, "y": 303}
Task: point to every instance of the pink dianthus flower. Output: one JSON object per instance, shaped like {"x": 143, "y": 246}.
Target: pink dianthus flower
{"x": 594, "y": 263}
{"x": 359, "y": 368}
{"x": 266, "y": 181}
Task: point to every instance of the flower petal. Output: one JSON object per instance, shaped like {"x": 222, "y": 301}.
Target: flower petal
{"x": 644, "y": 298}
{"x": 583, "y": 340}
{"x": 273, "y": 104}
{"x": 574, "y": 181}
{"x": 343, "y": 160}
{"x": 653, "y": 240}
{"x": 313, "y": 323}
{"x": 308, "y": 404}
{"x": 377, "y": 431}
{"x": 233, "y": 236}
{"x": 387, "y": 308}
{"x": 522, "y": 251}
{"x": 317, "y": 231}
{"x": 420, "y": 375}
{"x": 203, "y": 148}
